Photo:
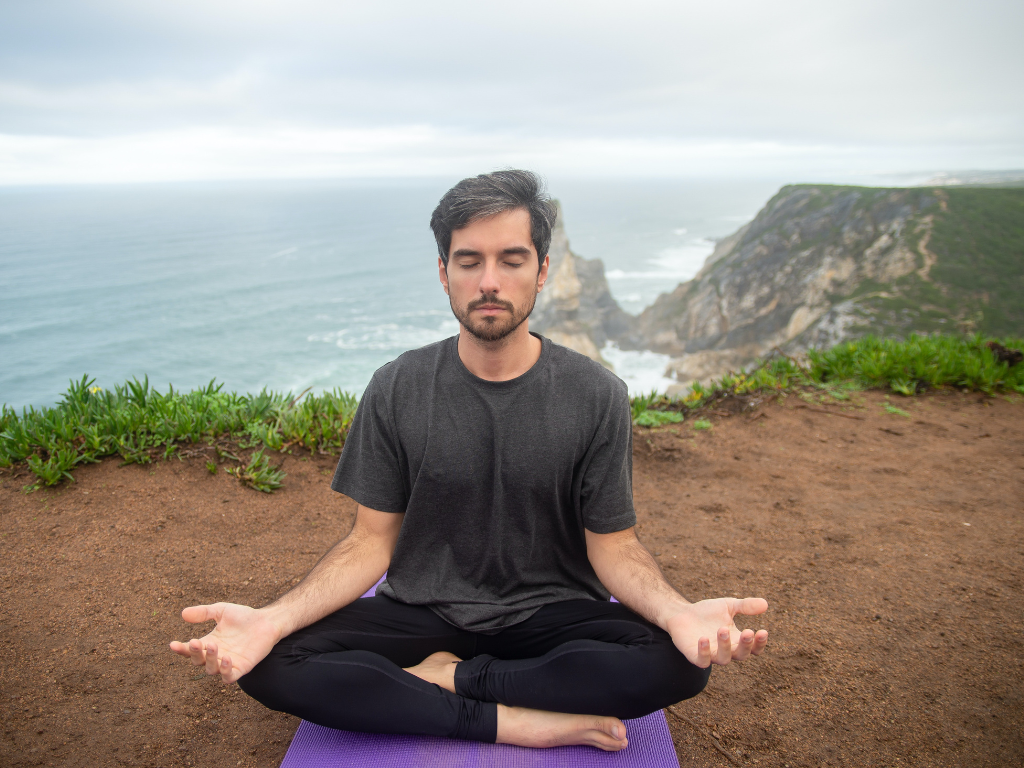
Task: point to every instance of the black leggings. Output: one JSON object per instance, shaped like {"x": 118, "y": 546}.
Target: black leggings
{"x": 582, "y": 656}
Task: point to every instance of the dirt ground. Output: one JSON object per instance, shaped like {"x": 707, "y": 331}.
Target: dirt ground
{"x": 889, "y": 547}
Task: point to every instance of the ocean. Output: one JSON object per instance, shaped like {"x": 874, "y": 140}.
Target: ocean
{"x": 293, "y": 284}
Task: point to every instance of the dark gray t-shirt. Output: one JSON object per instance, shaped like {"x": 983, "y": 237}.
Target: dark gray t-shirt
{"x": 497, "y": 479}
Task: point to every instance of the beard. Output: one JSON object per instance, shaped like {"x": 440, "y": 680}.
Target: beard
{"x": 492, "y": 328}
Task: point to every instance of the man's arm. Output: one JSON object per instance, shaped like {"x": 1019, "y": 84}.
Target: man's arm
{"x": 244, "y": 636}
{"x": 705, "y": 632}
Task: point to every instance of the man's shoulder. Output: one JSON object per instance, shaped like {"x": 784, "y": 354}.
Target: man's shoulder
{"x": 410, "y": 364}
{"x": 586, "y": 374}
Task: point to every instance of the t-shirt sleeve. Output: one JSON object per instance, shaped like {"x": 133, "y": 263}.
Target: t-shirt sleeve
{"x": 370, "y": 468}
{"x": 606, "y": 493}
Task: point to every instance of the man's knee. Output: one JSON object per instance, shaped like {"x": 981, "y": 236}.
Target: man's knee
{"x": 268, "y": 683}
{"x": 666, "y": 677}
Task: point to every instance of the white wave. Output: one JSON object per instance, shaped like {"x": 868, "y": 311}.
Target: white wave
{"x": 680, "y": 231}
{"x": 285, "y": 252}
{"x": 671, "y": 265}
{"x": 386, "y": 337}
{"x": 685, "y": 261}
{"x": 642, "y": 371}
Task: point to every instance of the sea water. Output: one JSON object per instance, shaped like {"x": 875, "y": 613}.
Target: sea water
{"x": 288, "y": 284}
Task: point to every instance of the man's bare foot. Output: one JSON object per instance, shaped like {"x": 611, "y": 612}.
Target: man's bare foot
{"x": 536, "y": 728}
{"x": 437, "y": 668}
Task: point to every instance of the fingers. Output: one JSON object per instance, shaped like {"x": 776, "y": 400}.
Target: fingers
{"x": 703, "y": 653}
{"x": 760, "y": 641}
{"x": 179, "y": 648}
{"x": 750, "y": 644}
{"x": 748, "y": 606}
{"x": 745, "y": 645}
{"x": 227, "y": 674}
{"x": 196, "y": 652}
{"x": 212, "y": 662}
{"x": 205, "y": 655}
{"x": 196, "y": 614}
{"x": 723, "y": 651}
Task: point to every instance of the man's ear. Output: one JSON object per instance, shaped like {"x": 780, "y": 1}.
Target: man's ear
{"x": 542, "y": 275}
{"x": 442, "y": 271}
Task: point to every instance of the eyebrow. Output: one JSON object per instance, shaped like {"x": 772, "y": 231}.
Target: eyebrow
{"x": 515, "y": 250}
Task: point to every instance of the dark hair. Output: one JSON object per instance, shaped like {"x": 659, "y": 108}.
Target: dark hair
{"x": 488, "y": 195}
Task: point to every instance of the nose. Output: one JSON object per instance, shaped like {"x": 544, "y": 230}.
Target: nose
{"x": 489, "y": 282}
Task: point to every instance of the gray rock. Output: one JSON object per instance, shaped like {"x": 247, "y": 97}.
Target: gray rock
{"x": 795, "y": 277}
{"x": 576, "y": 308}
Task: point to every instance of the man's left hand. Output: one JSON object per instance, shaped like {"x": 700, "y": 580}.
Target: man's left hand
{"x": 706, "y": 632}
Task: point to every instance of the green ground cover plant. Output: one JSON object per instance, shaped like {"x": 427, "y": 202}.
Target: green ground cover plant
{"x": 140, "y": 424}
{"x": 895, "y": 411}
{"x": 903, "y": 366}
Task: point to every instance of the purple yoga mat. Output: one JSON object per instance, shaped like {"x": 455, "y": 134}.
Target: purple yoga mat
{"x": 314, "y": 746}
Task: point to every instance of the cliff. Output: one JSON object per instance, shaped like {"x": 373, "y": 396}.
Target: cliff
{"x": 820, "y": 264}
{"x": 576, "y": 308}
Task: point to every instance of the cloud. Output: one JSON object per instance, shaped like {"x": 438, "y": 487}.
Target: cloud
{"x": 459, "y": 81}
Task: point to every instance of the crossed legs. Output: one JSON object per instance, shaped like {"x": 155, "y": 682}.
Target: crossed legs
{"x": 590, "y": 661}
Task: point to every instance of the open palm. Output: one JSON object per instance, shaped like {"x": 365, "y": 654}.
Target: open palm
{"x": 706, "y": 632}
{"x": 241, "y": 640}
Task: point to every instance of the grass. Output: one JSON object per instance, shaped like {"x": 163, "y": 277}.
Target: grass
{"x": 904, "y": 367}
{"x": 895, "y": 411}
{"x": 140, "y": 424}
{"x": 259, "y": 474}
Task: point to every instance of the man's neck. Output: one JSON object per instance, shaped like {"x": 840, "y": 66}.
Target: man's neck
{"x": 500, "y": 360}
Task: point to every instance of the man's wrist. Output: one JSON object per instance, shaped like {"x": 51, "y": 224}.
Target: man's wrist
{"x": 670, "y": 610}
{"x": 279, "y": 617}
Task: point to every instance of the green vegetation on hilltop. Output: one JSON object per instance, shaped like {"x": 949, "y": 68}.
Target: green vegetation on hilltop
{"x": 140, "y": 424}
{"x": 979, "y": 242}
{"x": 975, "y": 236}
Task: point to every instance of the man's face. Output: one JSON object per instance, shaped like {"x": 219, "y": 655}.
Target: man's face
{"x": 492, "y": 278}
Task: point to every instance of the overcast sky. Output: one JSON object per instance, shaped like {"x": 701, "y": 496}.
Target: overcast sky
{"x": 134, "y": 90}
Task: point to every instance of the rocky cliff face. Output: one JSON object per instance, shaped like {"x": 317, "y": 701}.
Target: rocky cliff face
{"x": 818, "y": 265}
{"x": 807, "y": 271}
{"x": 576, "y": 309}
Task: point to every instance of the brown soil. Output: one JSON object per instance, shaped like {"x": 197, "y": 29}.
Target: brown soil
{"x": 890, "y": 548}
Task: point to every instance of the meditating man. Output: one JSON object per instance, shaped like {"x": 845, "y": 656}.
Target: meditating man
{"x": 492, "y": 473}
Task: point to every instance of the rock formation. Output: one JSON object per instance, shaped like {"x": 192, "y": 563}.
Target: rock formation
{"x": 576, "y": 308}
{"x": 820, "y": 264}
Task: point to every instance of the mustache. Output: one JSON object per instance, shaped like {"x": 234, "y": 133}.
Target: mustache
{"x": 490, "y": 299}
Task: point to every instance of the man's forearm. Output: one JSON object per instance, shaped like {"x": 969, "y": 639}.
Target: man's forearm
{"x": 631, "y": 574}
{"x": 344, "y": 574}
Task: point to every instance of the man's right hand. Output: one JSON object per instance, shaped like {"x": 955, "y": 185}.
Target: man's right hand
{"x": 241, "y": 640}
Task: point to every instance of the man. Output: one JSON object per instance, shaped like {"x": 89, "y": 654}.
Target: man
{"x": 492, "y": 473}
